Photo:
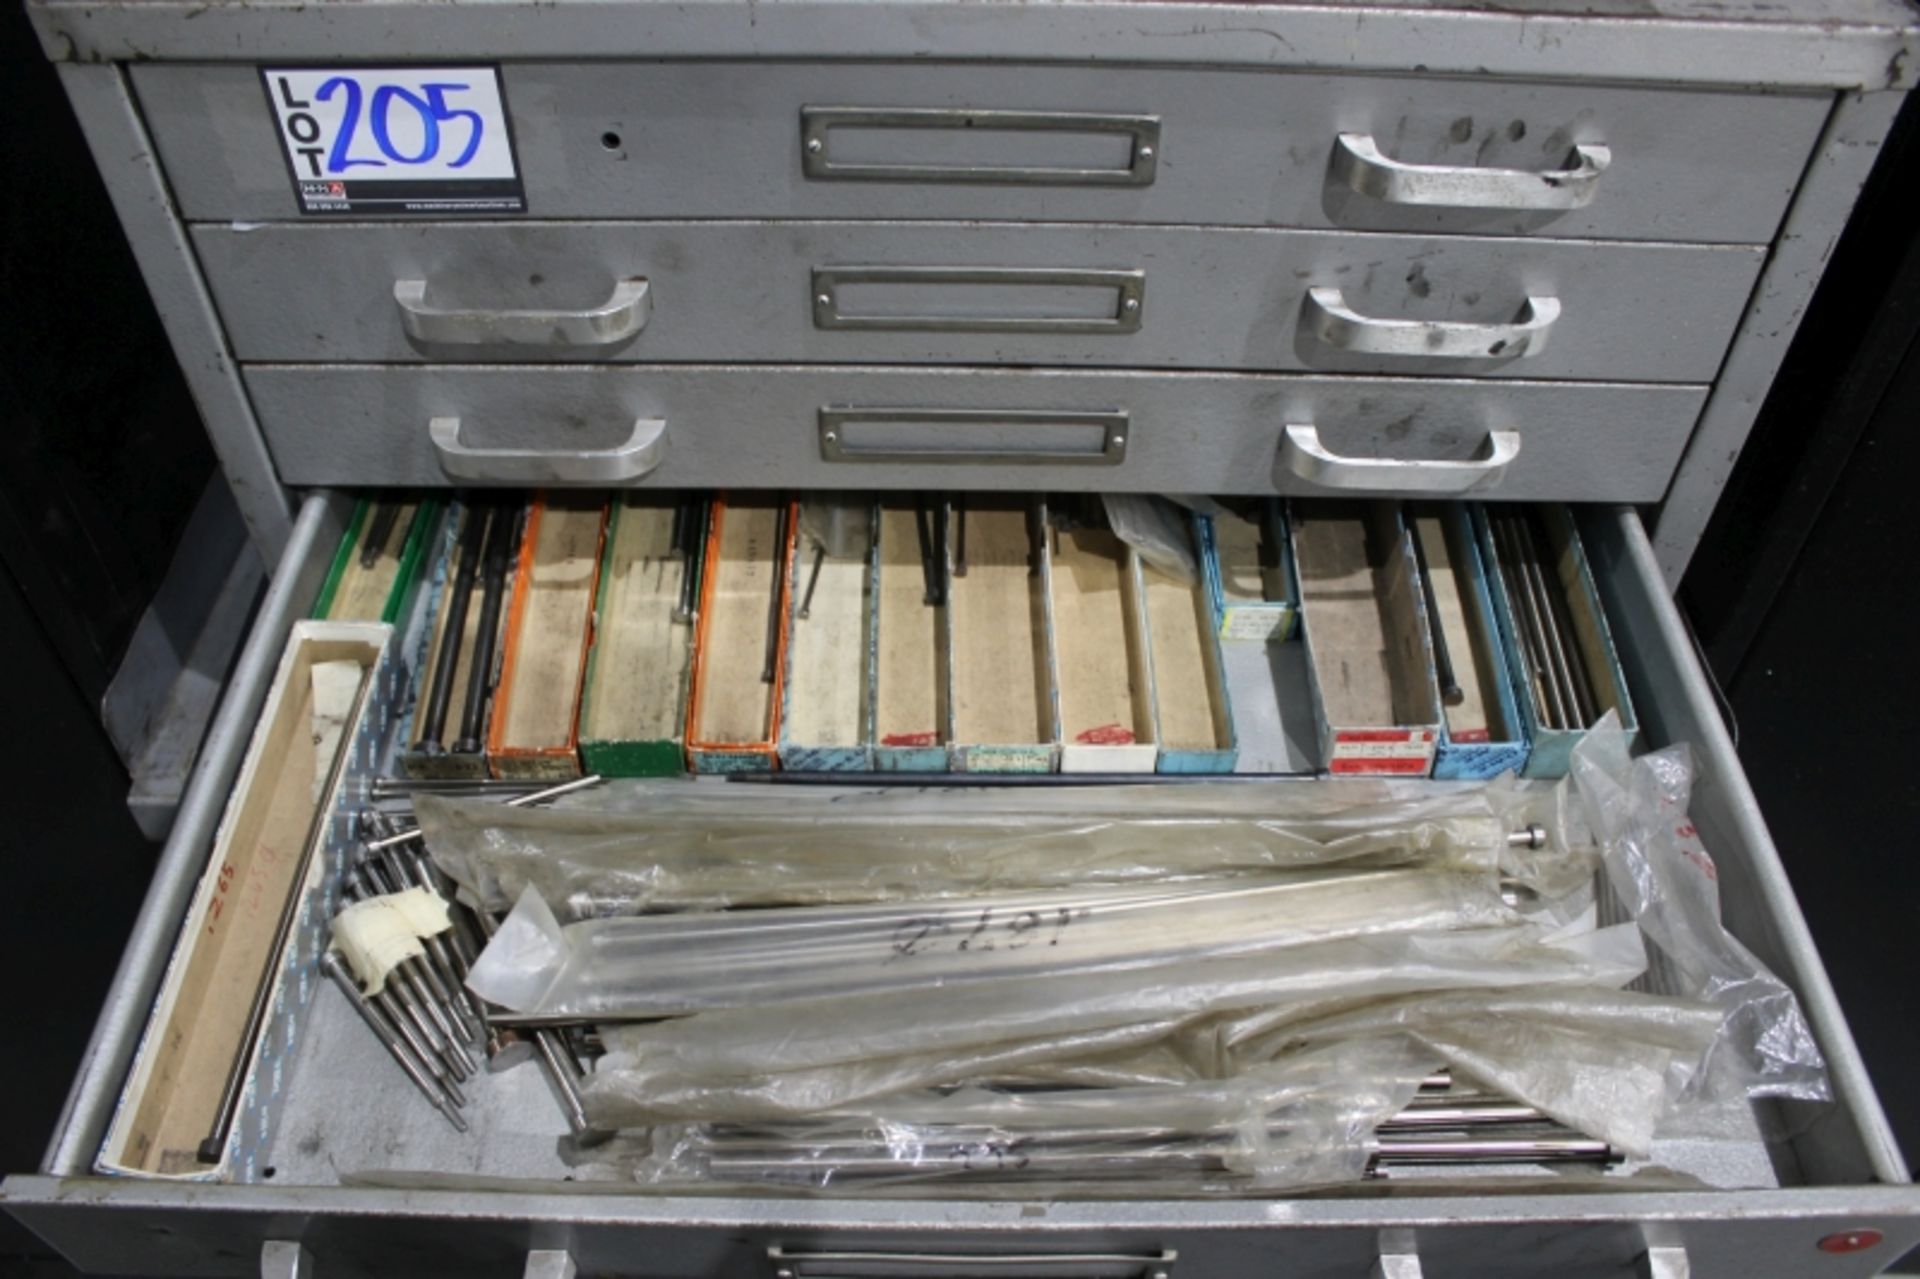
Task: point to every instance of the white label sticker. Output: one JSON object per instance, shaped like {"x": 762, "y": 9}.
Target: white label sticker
{"x": 1257, "y": 622}
{"x": 396, "y": 140}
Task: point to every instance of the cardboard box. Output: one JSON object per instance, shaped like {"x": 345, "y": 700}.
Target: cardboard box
{"x": 1369, "y": 653}
{"x": 1006, "y": 711}
{"x": 381, "y": 586}
{"x": 534, "y": 731}
{"x": 277, "y": 857}
{"x": 1105, "y": 670}
{"x": 1567, "y": 580}
{"x": 1247, "y": 559}
{"x": 912, "y": 641}
{"x": 633, "y": 708}
{"x": 469, "y": 538}
{"x": 1193, "y": 713}
{"x": 826, "y": 721}
{"x": 733, "y": 714}
{"x": 1483, "y": 733}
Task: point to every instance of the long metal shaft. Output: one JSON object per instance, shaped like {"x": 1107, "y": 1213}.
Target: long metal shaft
{"x": 430, "y": 732}
{"x": 493, "y": 592}
{"x": 779, "y": 563}
{"x": 1532, "y": 648}
{"x": 1533, "y": 581}
{"x": 1450, "y": 690}
{"x": 1560, "y": 630}
{"x": 396, "y": 1048}
{"x": 373, "y": 539}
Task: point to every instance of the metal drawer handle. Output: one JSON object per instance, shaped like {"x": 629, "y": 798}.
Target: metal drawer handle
{"x": 614, "y": 321}
{"x": 1303, "y": 456}
{"x": 1086, "y": 437}
{"x": 630, "y": 460}
{"x": 1329, "y": 318}
{"x": 1128, "y": 289}
{"x": 818, "y": 123}
{"x": 1358, "y": 162}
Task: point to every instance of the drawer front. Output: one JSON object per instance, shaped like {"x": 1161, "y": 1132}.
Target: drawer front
{"x": 971, "y": 293}
{"x": 674, "y": 140}
{"x": 123, "y": 1226}
{"x": 747, "y": 427}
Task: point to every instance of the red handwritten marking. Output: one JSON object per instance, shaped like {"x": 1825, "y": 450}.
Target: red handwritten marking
{"x": 1106, "y": 735}
{"x": 909, "y": 739}
{"x": 1473, "y": 735}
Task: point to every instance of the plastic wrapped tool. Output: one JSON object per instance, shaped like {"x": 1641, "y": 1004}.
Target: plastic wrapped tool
{"x": 1308, "y": 1120}
{"x": 1099, "y": 1028}
{"x": 693, "y": 847}
{"x": 1666, "y": 880}
{"x": 651, "y": 966}
{"x": 1155, "y": 527}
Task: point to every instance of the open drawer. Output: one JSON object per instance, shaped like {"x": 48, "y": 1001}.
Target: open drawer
{"x": 1841, "y": 1206}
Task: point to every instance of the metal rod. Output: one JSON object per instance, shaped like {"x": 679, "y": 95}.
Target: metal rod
{"x": 923, "y": 526}
{"x": 1553, "y": 713}
{"x": 779, "y": 563}
{"x": 445, "y": 1103}
{"x": 398, "y": 1017}
{"x": 1559, "y": 627}
{"x": 373, "y": 538}
{"x": 1535, "y": 584}
{"x": 518, "y": 801}
{"x": 555, "y": 1060}
{"x": 960, "y": 535}
{"x": 388, "y": 789}
{"x": 690, "y": 560}
{"x": 433, "y": 717}
{"x": 1450, "y": 691}
{"x": 813, "y": 580}
{"x": 486, "y": 640}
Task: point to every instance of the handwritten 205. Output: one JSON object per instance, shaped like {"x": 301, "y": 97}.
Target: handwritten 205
{"x": 427, "y": 122}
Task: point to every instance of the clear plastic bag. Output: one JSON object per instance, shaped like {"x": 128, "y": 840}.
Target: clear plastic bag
{"x": 686, "y": 846}
{"x": 1181, "y": 1023}
{"x": 1155, "y": 527}
{"x": 635, "y": 967}
{"x": 1308, "y": 1120}
{"x": 1661, "y": 873}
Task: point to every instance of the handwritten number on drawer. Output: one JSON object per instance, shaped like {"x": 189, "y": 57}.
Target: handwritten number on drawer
{"x": 430, "y": 104}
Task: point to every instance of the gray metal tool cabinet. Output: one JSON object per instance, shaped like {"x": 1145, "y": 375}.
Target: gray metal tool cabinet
{"x": 1533, "y": 251}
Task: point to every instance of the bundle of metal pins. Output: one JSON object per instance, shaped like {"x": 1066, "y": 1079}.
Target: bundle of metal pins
{"x": 1555, "y": 662}
{"x": 424, "y": 1015}
{"x": 1470, "y": 1130}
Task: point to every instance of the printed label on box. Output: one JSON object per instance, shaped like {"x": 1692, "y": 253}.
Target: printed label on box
{"x": 1398, "y": 751}
{"x": 432, "y": 141}
{"x": 1273, "y": 621}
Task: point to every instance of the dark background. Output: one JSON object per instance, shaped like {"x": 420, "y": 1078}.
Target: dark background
{"x": 1803, "y": 598}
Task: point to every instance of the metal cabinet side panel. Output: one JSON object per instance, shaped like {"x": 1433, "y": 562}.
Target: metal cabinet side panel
{"x": 118, "y": 139}
{"x": 1238, "y": 147}
{"x": 91, "y": 1101}
{"x": 1819, "y": 214}
{"x": 758, "y": 426}
{"x": 1211, "y": 297}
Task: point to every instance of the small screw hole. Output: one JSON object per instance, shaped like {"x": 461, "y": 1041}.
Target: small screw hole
{"x": 268, "y": 1172}
{"x": 610, "y": 140}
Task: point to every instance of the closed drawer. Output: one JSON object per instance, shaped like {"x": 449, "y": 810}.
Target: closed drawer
{"x": 674, "y": 140}
{"x": 494, "y": 1203}
{"x": 761, "y": 427}
{"x": 902, "y": 292}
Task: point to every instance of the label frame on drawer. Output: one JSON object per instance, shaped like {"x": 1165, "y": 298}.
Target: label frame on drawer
{"x": 499, "y": 190}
